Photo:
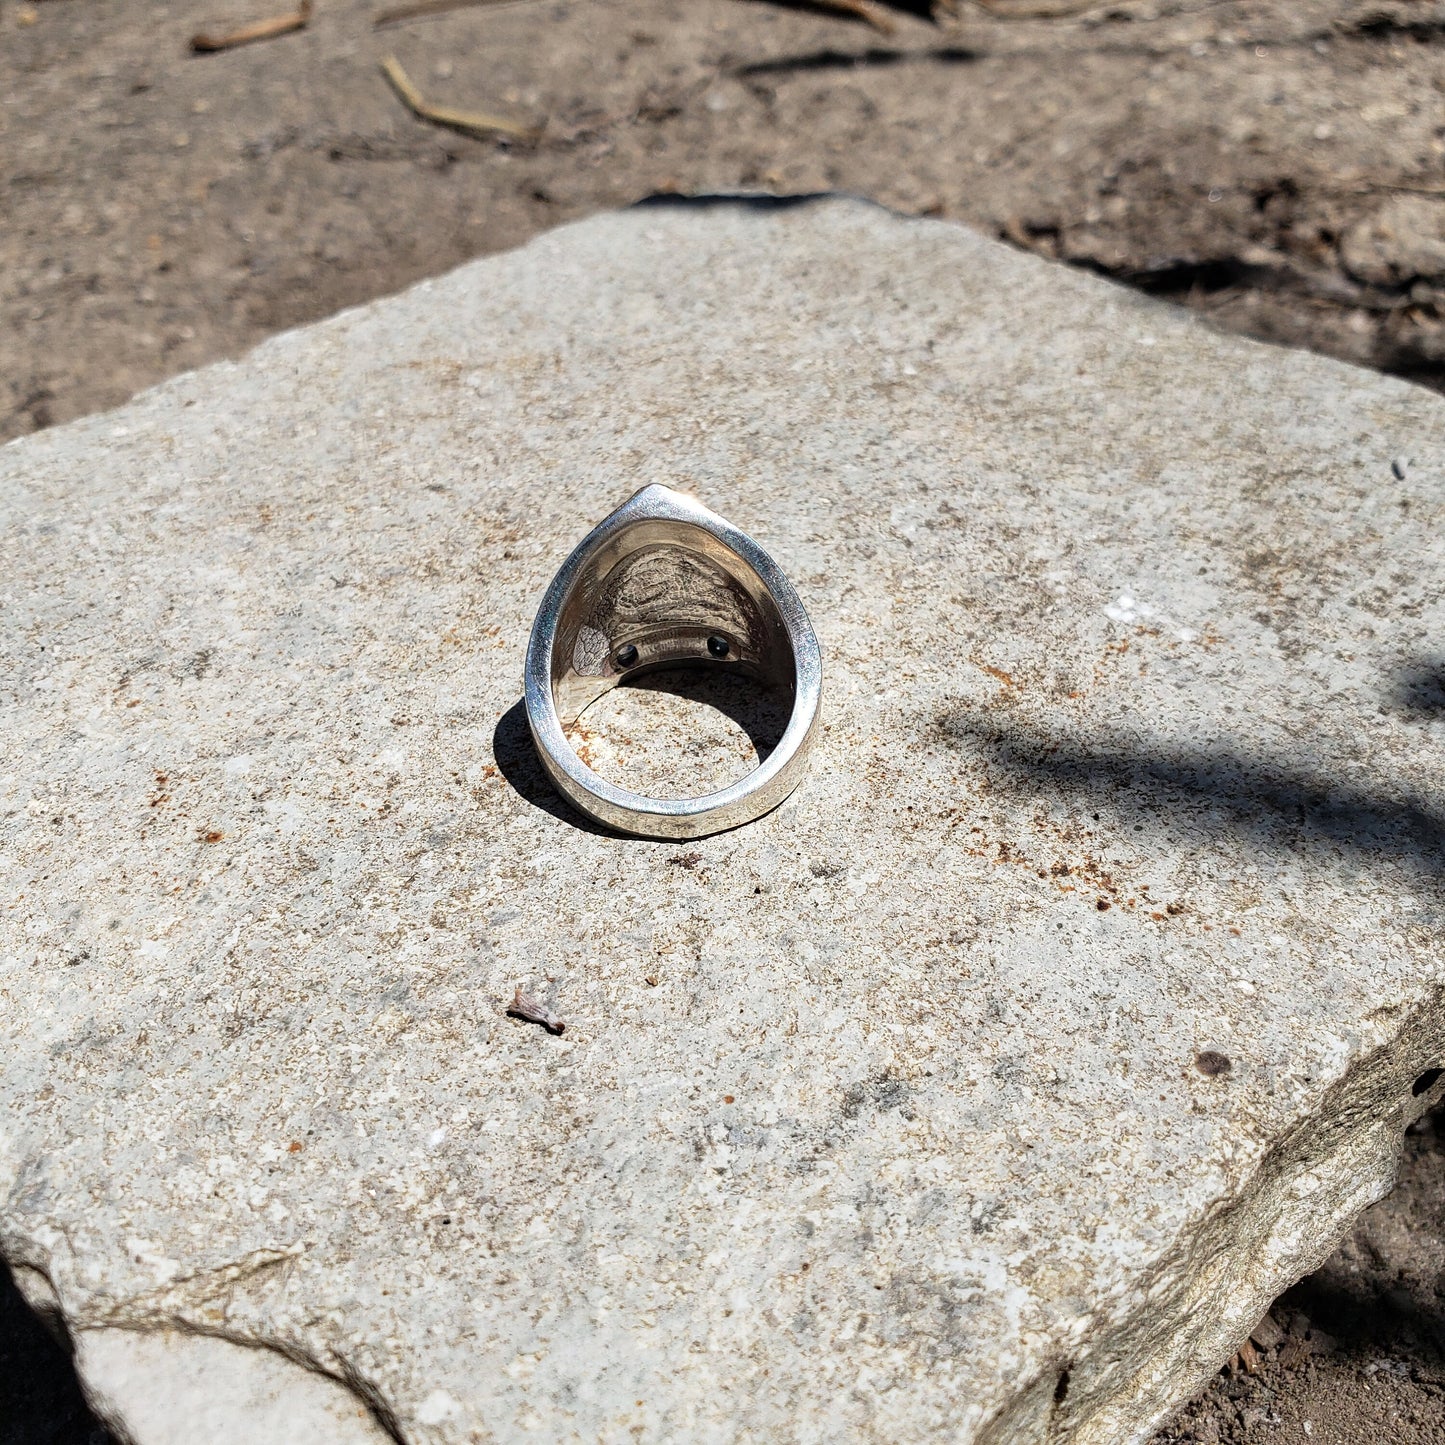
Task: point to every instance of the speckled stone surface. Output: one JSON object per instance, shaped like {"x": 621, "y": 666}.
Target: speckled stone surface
{"x": 987, "y": 1091}
{"x": 170, "y": 1387}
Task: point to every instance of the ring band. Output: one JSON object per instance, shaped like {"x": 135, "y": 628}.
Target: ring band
{"x": 663, "y": 582}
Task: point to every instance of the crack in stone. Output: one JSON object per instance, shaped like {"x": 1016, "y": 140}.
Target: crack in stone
{"x": 181, "y": 1307}
{"x": 1198, "y": 1304}
{"x": 195, "y": 1291}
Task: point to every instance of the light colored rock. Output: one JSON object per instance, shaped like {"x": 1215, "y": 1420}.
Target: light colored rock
{"x": 169, "y": 1388}
{"x": 166, "y": 1387}
{"x": 908, "y": 1140}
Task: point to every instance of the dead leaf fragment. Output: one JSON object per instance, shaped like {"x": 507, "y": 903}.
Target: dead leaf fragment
{"x": 534, "y": 1011}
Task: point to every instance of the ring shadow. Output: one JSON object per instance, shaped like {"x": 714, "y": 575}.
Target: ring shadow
{"x": 761, "y": 712}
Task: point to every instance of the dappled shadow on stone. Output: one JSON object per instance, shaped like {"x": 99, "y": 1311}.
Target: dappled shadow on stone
{"x": 1419, "y": 690}
{"x": 1375, "y": 1308}
{"x": 40, "y": 1397}
{"x": 1216, "y": 790}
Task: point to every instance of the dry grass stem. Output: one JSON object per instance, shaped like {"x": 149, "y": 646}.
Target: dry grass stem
{"x": 205, "y": 44}
{"x": 422, "y": 9}
{"x": 468, "y": 122}
{"x": 862, "y": 10}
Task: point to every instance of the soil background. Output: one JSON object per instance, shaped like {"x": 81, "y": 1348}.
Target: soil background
{"x": 1279, "y": 167}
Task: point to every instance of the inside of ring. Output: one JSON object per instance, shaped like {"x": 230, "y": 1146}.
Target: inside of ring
{"x": 664, "y": 593}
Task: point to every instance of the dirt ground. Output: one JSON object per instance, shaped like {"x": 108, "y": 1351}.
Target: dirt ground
{"x": 1355, "y": 1354}
{"x": 1278, "y": 166}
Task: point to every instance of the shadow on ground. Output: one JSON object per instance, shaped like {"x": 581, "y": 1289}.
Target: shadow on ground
{"x": 1282, "y": 808}
{"x": 1355, "y": 1353}
{"x": 40, "y": 1398}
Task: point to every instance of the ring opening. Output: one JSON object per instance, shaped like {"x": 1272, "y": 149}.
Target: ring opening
{"x": 681, "y": 732}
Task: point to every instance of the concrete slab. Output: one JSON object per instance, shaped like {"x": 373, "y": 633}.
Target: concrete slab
{"x": 988, "y": 1090}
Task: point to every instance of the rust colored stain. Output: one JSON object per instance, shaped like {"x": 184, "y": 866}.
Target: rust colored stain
{"x": 1006, "y": 678}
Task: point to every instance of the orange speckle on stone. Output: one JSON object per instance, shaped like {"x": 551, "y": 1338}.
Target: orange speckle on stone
{"x": 997, "y": 672}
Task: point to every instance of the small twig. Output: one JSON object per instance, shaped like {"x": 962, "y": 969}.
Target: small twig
{"x": 475, "y": 123}
{"x": 423, "y": 8}
{"x": 880, "y": 20}
{"x": 204, "y": 43}
{"x": 524, "y": 1006}
{"x": 862, "y": 10}
{"x": 1040, "y": 10}
{"x": 1413, "y": 190}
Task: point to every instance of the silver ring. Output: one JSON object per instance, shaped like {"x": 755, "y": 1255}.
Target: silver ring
{"x": 663, "y": 582}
